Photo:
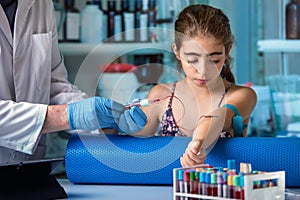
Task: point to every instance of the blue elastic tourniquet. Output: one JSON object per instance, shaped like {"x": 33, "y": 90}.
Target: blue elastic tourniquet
{"x": 237, "y": 121}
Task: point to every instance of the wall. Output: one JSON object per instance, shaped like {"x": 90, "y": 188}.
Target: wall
{"x": 251, "y": 20}
{"x": 274, "y": 28}
{"x": 239, "y": 15}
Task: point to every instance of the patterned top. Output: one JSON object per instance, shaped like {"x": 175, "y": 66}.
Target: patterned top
{"x": 168, "y": 126}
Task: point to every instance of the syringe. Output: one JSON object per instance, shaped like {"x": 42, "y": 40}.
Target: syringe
{"x": 141, "y": 102}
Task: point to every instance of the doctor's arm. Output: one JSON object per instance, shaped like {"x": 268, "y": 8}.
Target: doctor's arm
{"x": 56, "y": 119}
{"x": 94, "y": 113}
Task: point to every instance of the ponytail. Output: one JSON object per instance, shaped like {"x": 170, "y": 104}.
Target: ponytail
{"x": 226, "y": 71}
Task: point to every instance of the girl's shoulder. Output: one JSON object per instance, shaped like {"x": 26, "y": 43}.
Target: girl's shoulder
{"x": 161, "y": 90}
{"x": 242, "y": 91}
{"x": 238, "y": 87}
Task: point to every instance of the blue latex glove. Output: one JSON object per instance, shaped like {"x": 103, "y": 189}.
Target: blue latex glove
{"x": 97, "y": 112}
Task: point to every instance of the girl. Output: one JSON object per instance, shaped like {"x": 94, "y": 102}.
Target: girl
{"x": 206, "y": 104}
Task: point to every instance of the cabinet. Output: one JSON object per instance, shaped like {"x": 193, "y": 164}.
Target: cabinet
{"x": 282, "y": 53}
{"x": 79, "y": 55}
{"x": 82, "y": 60}
{"x": 280, "y": 47}
{"x": 284, "y": 89}
{"x": 69, "y": 49}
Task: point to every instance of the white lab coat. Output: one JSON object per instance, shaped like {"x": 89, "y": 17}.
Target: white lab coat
{"x": 32, "y": 76}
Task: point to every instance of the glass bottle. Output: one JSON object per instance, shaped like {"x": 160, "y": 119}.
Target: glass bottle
{"x": 91, "y": 23}
{"x": 144, "y": 22}
{"x": 152, "y": 20}
{"x": 111, "y": 11}
{"x": 118, "y": 26}
{"x": 292, "y": 19}
{"x": 103, "y": 8}
{"x": 71, "y": 31}
{"x": 237, "y": 193}
{"x": 127, "y": 21}
{"x": 137, "y": 18}
{"x": 59, "y": 19}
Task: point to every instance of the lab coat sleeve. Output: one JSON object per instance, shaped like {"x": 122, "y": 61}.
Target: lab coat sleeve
{"x": 21, "y": 124}
{"x": 62, "y": 91}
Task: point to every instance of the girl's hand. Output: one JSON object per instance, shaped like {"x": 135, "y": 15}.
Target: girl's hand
{"x": 193, "y": 155}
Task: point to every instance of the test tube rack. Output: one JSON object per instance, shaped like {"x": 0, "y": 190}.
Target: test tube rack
{"x": 251, "y": 193}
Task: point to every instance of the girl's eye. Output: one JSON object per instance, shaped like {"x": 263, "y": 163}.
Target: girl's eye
{"x": 192, "y": 61}
{"x": 215, "y": 61}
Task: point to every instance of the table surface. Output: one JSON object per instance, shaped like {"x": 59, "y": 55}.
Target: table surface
{"x": 115, "y": 192}
{"x": 132, "y": 192}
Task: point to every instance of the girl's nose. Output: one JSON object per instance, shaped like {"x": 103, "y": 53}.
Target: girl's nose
{"x": 201, "y": 66}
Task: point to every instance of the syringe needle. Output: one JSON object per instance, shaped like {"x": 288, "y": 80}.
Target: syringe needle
{"x": 142, "y": 103}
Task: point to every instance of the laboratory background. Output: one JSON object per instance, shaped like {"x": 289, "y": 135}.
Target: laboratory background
{"x": 264, "y": 55}
{"x": 110, "y": 62}
{"x": 120, "y": 49}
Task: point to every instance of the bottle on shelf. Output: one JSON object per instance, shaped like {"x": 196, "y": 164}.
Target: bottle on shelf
{"x": 118, "y": 26}
{"x": 59, "y": 19}
{"x": 143, "y": 32}
{"x": 91, "y": 23}
{"x": 113, "y": 22}
{"x": 292, "y": 20}
{"x": 152, "y": 20}
{"x": 104, "y": 19}
{"x": 137, "y": 18}
{"x": 71, "y": 28}
{"x": 127, "y": 21}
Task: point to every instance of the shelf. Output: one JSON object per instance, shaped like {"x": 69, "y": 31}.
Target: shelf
{"x": 279, "y": 46}
{"x": 114, "y": 48}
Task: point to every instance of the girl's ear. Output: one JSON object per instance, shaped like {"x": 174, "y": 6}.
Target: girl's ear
{"x": 175, "y": 50}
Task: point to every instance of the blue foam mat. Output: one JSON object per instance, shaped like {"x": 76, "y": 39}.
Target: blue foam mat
{"x": 122, "y": 159}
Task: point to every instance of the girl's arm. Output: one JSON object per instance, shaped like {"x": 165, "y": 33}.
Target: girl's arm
{"x": 154, "y": 111}
{"x": 209, "y": 128}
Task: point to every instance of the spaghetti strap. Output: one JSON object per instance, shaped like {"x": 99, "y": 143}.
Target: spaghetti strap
{"x": 224, "y": 93}
{"x": 172, "y": 95}
{"x": 168, "y": 126}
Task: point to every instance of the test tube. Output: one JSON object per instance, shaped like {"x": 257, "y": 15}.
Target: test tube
{"x": 225, "y": 187}
{"x": 193, "y": 184}
{"x": 220, "y": 183}
{"x": 272, "y": 183}
{"x": 197, "y": 179}
{"x": 256, "y": 184}
{"x": 231, "y": 165}
{"x": 186, "y": 181}
{"x": 180, "y": 186}
{"x": 208, "y": 183}
{"x": 264, "y": 183}
{"x": 213, "y": 184}
{"x": 245, "y": 168}
{"x": 242, "y": 184}
{"x": 237, "y": 194}
{"x": 202, "y": 182}
{"x": 230, "y": 185}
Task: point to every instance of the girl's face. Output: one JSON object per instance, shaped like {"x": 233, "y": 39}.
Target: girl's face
{"x": 202, "y": 59}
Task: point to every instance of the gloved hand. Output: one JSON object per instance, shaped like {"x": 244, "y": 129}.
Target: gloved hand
{"x": 97, "y": 112}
